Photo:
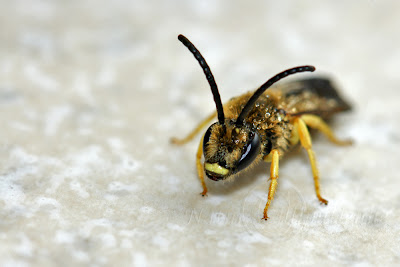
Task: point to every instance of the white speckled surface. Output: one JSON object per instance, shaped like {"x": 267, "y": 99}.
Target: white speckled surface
{"x": 91, "y": 91}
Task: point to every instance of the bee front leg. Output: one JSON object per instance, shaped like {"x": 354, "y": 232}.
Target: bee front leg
{"x": 199, "y": 166}
{"x": 274, "y": 158}
{"x": 317, "y": 123}
{"x": 305, "y": 141}
{"x": 195, "y": 131}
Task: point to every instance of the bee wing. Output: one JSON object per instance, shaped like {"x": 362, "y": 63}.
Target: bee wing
{"x": 312, "y": 96}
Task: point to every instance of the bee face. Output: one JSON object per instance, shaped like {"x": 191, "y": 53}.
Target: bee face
{"x": 228, "y": 149}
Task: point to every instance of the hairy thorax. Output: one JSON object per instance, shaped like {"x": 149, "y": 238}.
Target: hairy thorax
{"x": 268, "y": 118}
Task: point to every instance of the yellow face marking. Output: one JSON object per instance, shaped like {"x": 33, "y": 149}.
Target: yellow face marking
{"x": 215, "y": 168}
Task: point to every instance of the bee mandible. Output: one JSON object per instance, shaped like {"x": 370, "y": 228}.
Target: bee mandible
{"x": 264, "y": 125}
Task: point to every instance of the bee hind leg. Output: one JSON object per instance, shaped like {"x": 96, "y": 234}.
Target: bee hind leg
{"x": 316, "y": 122}
{"x": 305, "y": 141}
{"x": 274, "y": 158}
{"x": 192, "y": 134}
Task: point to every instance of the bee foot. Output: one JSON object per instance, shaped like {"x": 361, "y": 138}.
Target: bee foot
{"x": 175, "y": 141}
{"x": 323, "y": 201}
{"x": 347, "y": 142}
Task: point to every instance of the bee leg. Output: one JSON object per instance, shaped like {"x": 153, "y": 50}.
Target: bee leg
{"x": 305, "y": 141}
{"x": 195, "y": 131}
{"x": 317, "y": 123}
{"x": 200, "y": 167}
{"x": 274, "y": 158}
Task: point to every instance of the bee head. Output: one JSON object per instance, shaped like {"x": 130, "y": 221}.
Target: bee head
{"x": 228, "y": 149}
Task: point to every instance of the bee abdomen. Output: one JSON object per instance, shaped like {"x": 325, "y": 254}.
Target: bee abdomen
{"x": 315, "y": 96}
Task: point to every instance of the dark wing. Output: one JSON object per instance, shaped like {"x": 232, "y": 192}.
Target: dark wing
{"x": 312, "y": 96}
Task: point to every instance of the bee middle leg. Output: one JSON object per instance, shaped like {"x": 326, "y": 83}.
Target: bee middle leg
{"x": 274, "y": 158}
{"x": 192, "y": 134}
{"x": 305, "y": 141}
{"x": 317, "y": 123}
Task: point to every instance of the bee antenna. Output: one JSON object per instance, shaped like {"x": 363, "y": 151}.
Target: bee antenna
{"x": 209, "y": 76}
{"x": 267, "y": 85}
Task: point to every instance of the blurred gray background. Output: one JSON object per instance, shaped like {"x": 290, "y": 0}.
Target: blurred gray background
{"x": 91, "y": 92}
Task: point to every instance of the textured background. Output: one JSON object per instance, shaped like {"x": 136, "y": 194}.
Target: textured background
{"x": 91, "y": 92}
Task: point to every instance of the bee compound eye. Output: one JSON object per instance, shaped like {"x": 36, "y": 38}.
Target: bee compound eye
{"x": 207, "y": 136}
{"x": 250, "y": 153}
{"x": 251, "y": 135}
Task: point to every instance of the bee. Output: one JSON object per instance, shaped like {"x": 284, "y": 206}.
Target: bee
{"x": 264, "y": 125}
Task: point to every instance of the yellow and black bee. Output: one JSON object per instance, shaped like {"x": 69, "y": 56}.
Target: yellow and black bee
{"x": 264, "y": 125}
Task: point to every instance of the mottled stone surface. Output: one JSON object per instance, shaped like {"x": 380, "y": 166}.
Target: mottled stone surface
{"x": 91, "y": 92}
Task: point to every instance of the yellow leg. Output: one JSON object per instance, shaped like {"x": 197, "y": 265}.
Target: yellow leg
{"x": 305, "y": 140}
{"x": 273, "y": 177}
{"x": 317, "y": 123}
{"x": 191, "y": 135}
{"x": 200, "y": 170}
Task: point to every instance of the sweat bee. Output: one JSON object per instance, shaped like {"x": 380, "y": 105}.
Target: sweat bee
{"x": 264, "y": 125}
